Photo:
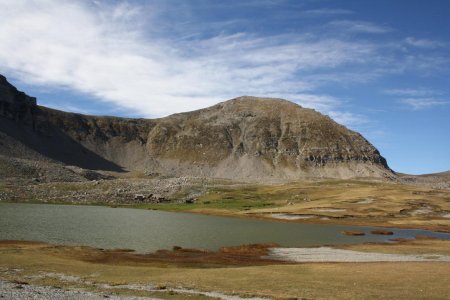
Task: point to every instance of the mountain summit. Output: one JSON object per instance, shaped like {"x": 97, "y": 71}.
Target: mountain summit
{"x": 243, "y": 138}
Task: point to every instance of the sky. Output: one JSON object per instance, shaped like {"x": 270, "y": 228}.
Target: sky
{"x": 379, "y": 67}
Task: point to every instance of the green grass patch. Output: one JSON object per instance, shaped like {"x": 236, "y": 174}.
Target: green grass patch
{"x": 223, "y": 204}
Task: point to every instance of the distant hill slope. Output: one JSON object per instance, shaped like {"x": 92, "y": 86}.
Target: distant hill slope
{"x": 435, "y": 180}
{"x": 445, "y": 175}
{"x": 244, "y": 138}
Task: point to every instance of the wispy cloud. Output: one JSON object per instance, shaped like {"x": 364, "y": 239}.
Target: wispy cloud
{"x": 348, "y": 118}
{"x": 418, "y": 98}
{"x": 105, "y": 53}
{"x": 68, "y": 107}
{"x": 423, "y": 103}
{"x": 424, "y": 43}
{"x": 359, "y": 26}
{"x": 326, "y": 12}
{"x": 137, "y": 58}
{"x": 323, "y": 103}
{"x": 422, "y": 92}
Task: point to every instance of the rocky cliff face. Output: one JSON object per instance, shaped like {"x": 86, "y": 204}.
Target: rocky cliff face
{"x": 14, "y": 104}
{"x": 244, "y": 138}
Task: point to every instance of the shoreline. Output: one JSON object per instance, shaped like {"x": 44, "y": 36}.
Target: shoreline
{"x": 256, "y": 216}
{"x": 339, "y": 202}
{"x": 256, "y": 254}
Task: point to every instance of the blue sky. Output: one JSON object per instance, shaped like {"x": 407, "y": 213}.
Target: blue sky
{"x": 379, "y": 67}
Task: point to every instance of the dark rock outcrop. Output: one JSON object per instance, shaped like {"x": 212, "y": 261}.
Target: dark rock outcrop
{"x": 14, "y": 104}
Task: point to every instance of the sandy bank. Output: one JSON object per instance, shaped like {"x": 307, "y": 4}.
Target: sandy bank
{"x": 327, "y": 254}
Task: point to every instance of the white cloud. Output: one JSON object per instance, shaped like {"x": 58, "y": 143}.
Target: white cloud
{"x": 418, "y": 98}
{"x": 326, "y": 12}
{"x": 106, "y": 53}
{"x": 129, "y": 56}
{"x": 67, "y": 107}
{"x": 424, "y": 43}
{"x": 412, "y": 92}
{"x": 359, "y": 26}
{"x": 348, "y": 118}
{"x": 423, "y": 103}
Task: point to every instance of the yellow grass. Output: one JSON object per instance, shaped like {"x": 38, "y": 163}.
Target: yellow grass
{"x": 351, "y": 202}
{"x": 311, "y": 280}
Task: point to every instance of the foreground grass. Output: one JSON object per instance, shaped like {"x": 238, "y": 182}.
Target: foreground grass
{"x": 311, "y": 280}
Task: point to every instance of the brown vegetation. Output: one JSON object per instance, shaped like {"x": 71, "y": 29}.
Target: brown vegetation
{"x": 227, "y": 256}
{"x": 49, "y": 265}
{"x": 353, "y": 233}
{"x": 382, "y": 232}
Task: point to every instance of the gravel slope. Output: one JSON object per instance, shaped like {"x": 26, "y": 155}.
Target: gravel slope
{"x": 15, "y": 291}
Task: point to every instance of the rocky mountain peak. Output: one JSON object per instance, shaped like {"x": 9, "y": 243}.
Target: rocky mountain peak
{"x": 10, "y": 94}
{"x": 243, "y": 138}
{"x": 14, "y": 104}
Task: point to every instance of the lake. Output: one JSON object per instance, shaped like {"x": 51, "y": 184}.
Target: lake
{"x": 147, "y": 231}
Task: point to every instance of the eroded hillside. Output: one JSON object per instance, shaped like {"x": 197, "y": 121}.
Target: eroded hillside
{"x": 244, "y": 138}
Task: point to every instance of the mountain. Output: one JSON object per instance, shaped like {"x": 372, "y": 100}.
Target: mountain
{"x": 243, "y": 138}
{"x": 435, "y": 180}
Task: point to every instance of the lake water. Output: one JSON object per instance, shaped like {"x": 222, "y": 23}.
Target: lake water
{"x": 146, "y": 231}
